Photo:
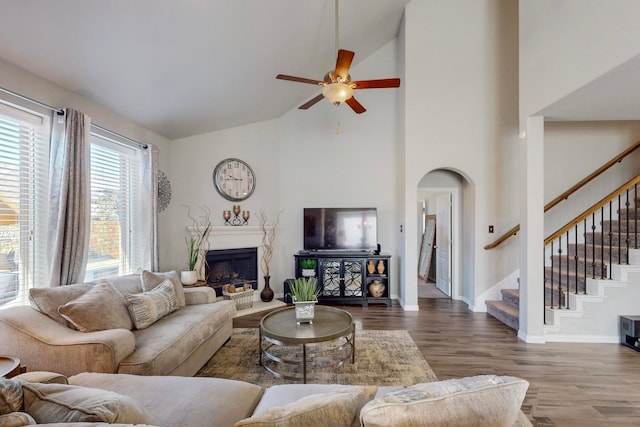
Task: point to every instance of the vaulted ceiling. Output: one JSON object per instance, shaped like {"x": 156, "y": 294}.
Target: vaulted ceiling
{"x": 188, "y": 67}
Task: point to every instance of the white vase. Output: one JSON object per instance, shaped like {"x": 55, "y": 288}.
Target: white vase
{"x": 305, "y": 311}
{"x": 308, "y": 272}
{"x": 188, "y": 277}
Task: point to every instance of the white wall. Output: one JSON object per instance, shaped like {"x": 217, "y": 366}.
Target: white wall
{"x": 461, "y": 114}
{"x": 556, "y": 60}
{"x": 575, "y": 149}
{"x": 300, "y": 161}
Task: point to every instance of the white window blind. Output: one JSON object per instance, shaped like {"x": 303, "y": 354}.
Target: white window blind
{"x": 113, "y": 240}
{"x": 24, "y": 151}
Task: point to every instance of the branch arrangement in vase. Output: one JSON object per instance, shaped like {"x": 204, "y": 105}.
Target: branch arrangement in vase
{"x": 268, "y": 237}
{"x": 198, "y": 241}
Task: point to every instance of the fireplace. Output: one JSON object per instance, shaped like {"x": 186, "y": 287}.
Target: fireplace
{"x": 232, "y": 266}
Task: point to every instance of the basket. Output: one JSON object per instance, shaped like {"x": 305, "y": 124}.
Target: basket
{"x": 243, "y": 299}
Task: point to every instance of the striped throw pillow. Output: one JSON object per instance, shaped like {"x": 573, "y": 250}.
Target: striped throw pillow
{"x": 148, "y": 307}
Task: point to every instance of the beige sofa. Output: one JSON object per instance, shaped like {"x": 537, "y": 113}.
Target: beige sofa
{"x": 193, "y": 402}
{"x": 89, "y": 328}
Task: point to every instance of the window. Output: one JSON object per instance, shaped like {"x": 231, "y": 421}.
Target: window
{"x": 24, "y": 148}
{"x": 114, "y": 245}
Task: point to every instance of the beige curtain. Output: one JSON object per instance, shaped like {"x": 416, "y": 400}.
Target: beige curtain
{"x": 148, "y": 208}
{"x": 69, "y": 197}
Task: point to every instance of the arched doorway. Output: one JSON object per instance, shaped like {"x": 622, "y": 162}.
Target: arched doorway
{"x": 442, "y": 194}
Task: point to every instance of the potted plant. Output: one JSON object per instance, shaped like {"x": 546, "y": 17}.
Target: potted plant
{"x": 308, "y": 267}
{"x": 304, "y": 292}
{"x": 197, "y": 245}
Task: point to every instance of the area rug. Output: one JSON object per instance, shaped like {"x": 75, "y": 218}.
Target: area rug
{"x": 382, "y": 358}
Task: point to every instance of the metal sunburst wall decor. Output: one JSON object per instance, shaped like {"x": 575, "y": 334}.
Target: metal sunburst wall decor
{"x": 164, "y": 191}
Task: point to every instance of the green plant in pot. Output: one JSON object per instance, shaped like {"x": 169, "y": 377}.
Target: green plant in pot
{"x": 304, "y": 292}
{"x": 308, "y": 267}
{"x": 197, "y": 246}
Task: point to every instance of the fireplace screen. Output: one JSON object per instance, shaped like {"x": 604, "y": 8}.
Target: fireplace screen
{"x": 232, "y": 266}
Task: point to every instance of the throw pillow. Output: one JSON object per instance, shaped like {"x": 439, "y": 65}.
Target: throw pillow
{"x": 151, "y": 280}
{"x": 99, "y": 309}
{"x": 10, "y": 396}
{"x": 148, "y": 307}
{"x": 47, "y": 300}
{"x": 16, "y": 419}
{"x": 341, "y": 407}
{"x": 61, "y": 403}
{"x": 484, "y": 400}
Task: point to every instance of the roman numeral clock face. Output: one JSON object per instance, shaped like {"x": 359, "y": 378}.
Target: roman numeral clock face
{"x": 234, "y": 179}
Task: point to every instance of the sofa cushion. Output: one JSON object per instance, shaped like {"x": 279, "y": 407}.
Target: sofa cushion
{"x": 484, "y": 400}
{"x": 47, "y": 300}
{"x": 148, "y": 307}
{"x": 151, "y": 280}
{"x": 126, "y": 284}
{"x": 341, "y": 406}
{"x": 100, "y": 308}
{"x": 166, "y": 345}
{"x": 10, "y": 396}
{"x": 49, "y": 403}
{"x": 16, "y": 419}
{"x": 181, "y": 401}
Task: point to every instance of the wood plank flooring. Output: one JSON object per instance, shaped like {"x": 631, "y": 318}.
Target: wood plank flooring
{"x": 570, "y": 384}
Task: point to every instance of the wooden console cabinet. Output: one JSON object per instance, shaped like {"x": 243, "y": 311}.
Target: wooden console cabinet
{"x": 345, "y": 277}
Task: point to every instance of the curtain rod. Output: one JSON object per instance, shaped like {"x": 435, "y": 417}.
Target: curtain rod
{"x": 61, "y": 111}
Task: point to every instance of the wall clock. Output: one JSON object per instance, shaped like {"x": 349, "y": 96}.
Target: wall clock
{"x": 234, "y": 179}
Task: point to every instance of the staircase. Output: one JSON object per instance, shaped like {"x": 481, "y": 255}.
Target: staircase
{"x": 506, "y": 310}
{"x": 581, "y": 269}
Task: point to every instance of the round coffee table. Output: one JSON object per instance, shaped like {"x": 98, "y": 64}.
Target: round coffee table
{"x": 285, "y": 346}
{"x": 9, "y": 366}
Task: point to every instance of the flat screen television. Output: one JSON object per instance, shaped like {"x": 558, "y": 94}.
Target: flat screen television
{"x": 340, "y": 229}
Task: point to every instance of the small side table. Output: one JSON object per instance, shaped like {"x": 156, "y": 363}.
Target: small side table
{"x": 10, "y": 367}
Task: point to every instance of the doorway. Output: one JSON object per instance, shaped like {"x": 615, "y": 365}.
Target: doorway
{"x": 439, "y": 210}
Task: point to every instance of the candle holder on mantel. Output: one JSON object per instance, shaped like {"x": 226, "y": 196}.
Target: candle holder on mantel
{"x": 237, "y": 219}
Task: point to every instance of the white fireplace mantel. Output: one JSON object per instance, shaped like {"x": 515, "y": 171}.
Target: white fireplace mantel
{"x": 230, "y": 237}
{"x": 234, "y": 237}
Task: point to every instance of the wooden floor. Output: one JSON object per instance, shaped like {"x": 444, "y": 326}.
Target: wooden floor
{"x": 570, "y": 384}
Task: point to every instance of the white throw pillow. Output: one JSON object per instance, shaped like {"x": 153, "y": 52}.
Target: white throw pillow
{"x": 148, "y": 307}
{"x": 151, "y": 280}
{"x": 62, "y": 403}
{"x": 484, "y": 400}
{"x": 338, "y": 408}
{"x": 100, "y": 308}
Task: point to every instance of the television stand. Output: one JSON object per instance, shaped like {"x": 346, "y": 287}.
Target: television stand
{"x": 350, "y": 277}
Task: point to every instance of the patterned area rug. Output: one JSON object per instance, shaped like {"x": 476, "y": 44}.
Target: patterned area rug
{"x": 382, "y": 358}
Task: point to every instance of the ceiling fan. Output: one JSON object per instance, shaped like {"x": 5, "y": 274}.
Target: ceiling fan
{"x": 337, "y": 85}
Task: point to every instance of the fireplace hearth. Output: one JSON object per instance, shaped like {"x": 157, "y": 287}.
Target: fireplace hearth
{"x": 232, "y": 266}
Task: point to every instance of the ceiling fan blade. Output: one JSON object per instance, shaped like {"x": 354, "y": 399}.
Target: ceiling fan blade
{"x": 343, "y": 63}
{"x": 311, "y": 102}
{"x": 355, "y": 105}
{"x": 376, "y": 84}
{"x": 298, "y": 79}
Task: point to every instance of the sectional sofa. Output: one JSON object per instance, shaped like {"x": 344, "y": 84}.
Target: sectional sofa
{"x": 144, "y": 324}
{"x": 94, "y": 399}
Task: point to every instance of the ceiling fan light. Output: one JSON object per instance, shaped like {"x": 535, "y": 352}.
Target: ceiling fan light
{"x": 337, "y": 93}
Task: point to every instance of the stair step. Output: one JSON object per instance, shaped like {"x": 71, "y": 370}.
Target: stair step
{"x": 505, "y": 312}
{"x": 615, "y": 239}
{"x": 562, "y": 263}
{"x": 511, "y": 296}
{"x": 617, "y": 253}
{"x": 622, "y": 226}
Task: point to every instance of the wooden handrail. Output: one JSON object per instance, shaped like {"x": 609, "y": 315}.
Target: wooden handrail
{"x": 570, "y": 191}
{"x": 592, "y": 209}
